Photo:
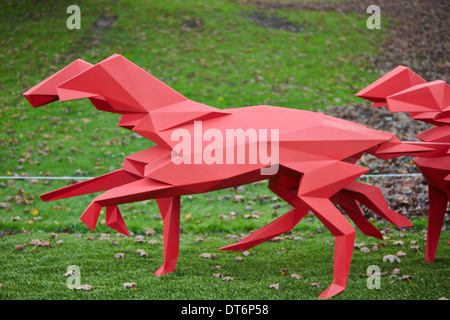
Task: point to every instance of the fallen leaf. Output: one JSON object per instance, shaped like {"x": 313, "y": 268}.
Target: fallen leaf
{"x": 149, "y": 232}
{"x": 129, "y": 285}
{"x": 284, "y": 271}
{"x": 315, "y": 284}
{"x": 391, "y": 258}
{"x": 360, "y": 245}
{"x": 141, "y": 252}
{"x": 19, "y": 247}
{"x": 119, "y": 256}
{"x": 139, "y": 239}
{"x": 275, "y": 286}
{"x": 84, "y": 287}
{"x": 35, "y": 242}
{"x": 34, "y": 212}
{"x": 69, "y": 273}
{"x": 228, "y": 279}
{"x": 396, "y": 271}
{"x": 217, "y": 275}
{"x": 238, "y": 259}
{"x": 45, "y": 244}
{"x": 399, "y": 243}
{"x": 153, "y": 242}
{"x": 400, "y": 254}
{"x": 404, "y": 277}
{"x": 208, "y": 255}
{"x": 365, "y": 250}
{"x": 296, "y": 276}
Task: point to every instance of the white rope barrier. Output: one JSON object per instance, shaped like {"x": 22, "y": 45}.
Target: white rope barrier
{"x": 87, "y": 178}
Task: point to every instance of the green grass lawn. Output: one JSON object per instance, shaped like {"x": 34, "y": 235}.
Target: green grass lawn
{"x": 212, "y": 52}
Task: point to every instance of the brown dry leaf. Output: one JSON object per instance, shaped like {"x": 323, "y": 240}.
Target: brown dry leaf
{"x": 129, "y": 285}
{"x": 119, "y": 256}
{"x": 275, "y": 286}
{"x": 188, "y": 217}
{"x": 115, "y": 242}
{"x": 149, "y": 232}
{"x": 315, "y": 284}
{"x": 19, "y": 247}
{"x": 404, "y": 277}
{"x": 35, "y": 242}
{"x": 391, "y": 258}
{"x": 139, "y": 239}
{"x": 5, "y": 205}
{"x": 296, "y": 276}
{"x": 84, "y": 287}
{"x": 399, "y": 243}
{"x": 199, "y": 239}
{"x": 60, "y": 242}
{"x": 415, "y": 248}
{"x": 45, "y": 244}
{"x": 396, "y": 271}
{"x": 400, "y": 254}
{"x": 239, "y": 259}
{"x": 153, "y": 242}
{"x": 141, "y": 252}
{"x": 69, "y": 273}
{"x": 208, "y": 255}
{"x": 217, "y": 275}
{"x": 284, "y": 271}
{"x": 227, "y": 278}
{"x": 365, "y": 250}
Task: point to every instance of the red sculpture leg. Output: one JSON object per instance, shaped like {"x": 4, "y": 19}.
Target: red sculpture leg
{"x": 372, "y": 198}
{"x": 351, "y": 207}
{"x": 170, "y": 212}
{"x": 344, "y": 239}
{"x": 279, "y": 226}
{"x": 285, "y": 188}
{"x": 100, "y": 183}
{"x": 114, "y": 220}
{"x": 91, "y": 214}
{"x": 438, "y": 205}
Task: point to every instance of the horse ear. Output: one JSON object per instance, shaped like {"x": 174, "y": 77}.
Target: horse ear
{"x": 138, "y": 86}
{"x": 46, "y": 92}
{"x": 432, "y": 96}
{"x": 84, "y": 85}
{"x": 398, "y": 79}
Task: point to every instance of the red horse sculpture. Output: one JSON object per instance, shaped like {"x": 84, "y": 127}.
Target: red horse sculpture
{"x": 401, "y": 90}
{"x": 312, "y": 165}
